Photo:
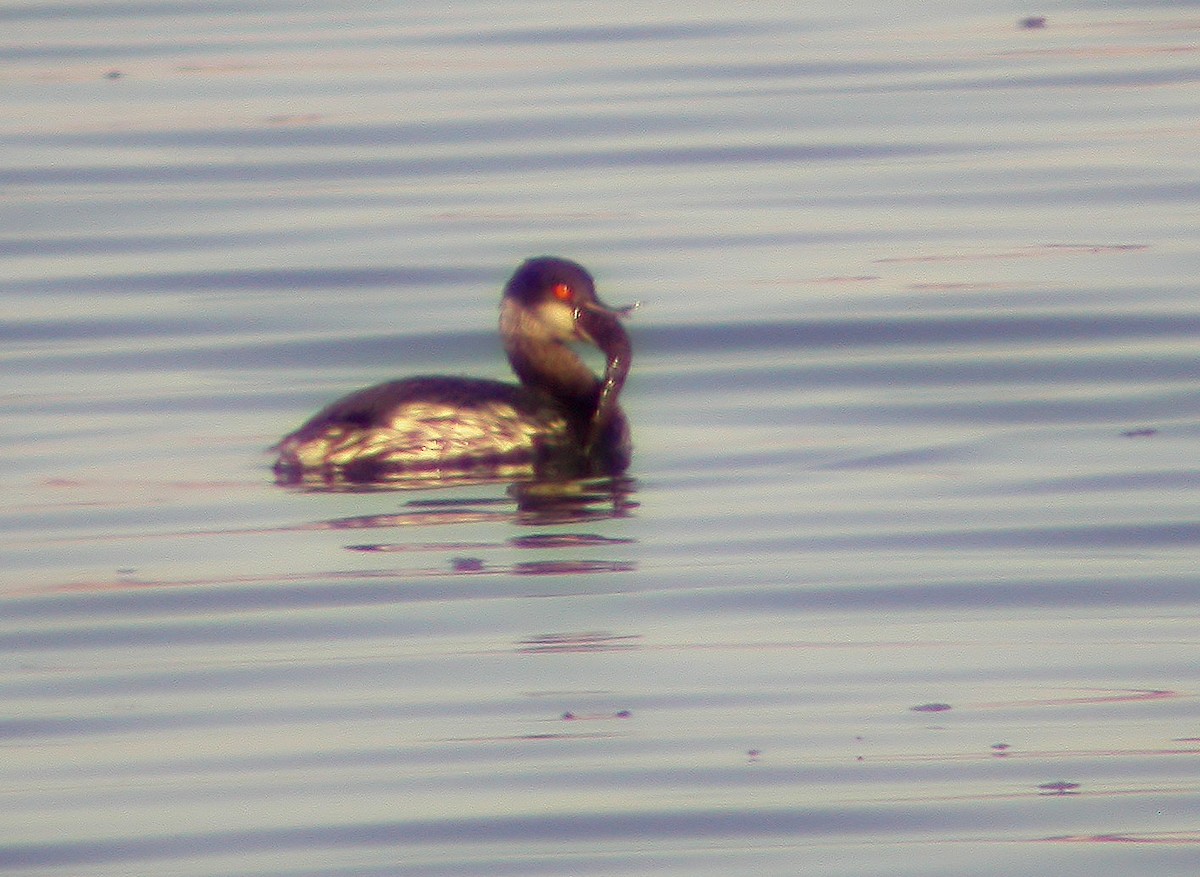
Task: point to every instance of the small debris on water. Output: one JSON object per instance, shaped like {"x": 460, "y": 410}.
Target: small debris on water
{"x": 576, "y": 717}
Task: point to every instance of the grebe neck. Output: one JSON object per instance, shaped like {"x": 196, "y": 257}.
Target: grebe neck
{"x": 547, "y": 364}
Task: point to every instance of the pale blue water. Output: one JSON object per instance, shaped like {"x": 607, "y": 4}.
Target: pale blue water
{"x": 914, "y": 401}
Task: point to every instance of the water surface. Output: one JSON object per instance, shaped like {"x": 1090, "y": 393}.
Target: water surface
{"x": 904, "y": 581}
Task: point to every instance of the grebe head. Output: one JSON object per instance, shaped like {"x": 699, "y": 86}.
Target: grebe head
{"x": 548, "y": 303}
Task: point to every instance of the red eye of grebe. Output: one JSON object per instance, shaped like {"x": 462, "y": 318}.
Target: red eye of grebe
{"x": 563, "y": 292}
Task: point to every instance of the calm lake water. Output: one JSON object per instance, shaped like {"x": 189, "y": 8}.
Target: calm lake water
{"x": 905, "y": 577}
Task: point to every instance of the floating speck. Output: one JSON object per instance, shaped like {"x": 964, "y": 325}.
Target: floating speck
{"x": 931, "y": 708}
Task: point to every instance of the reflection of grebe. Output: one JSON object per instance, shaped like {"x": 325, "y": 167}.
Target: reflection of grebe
{"x": 561, "y": 418}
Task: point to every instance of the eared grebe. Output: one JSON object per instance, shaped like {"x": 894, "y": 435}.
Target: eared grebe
{"x": 561, "y": 422}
